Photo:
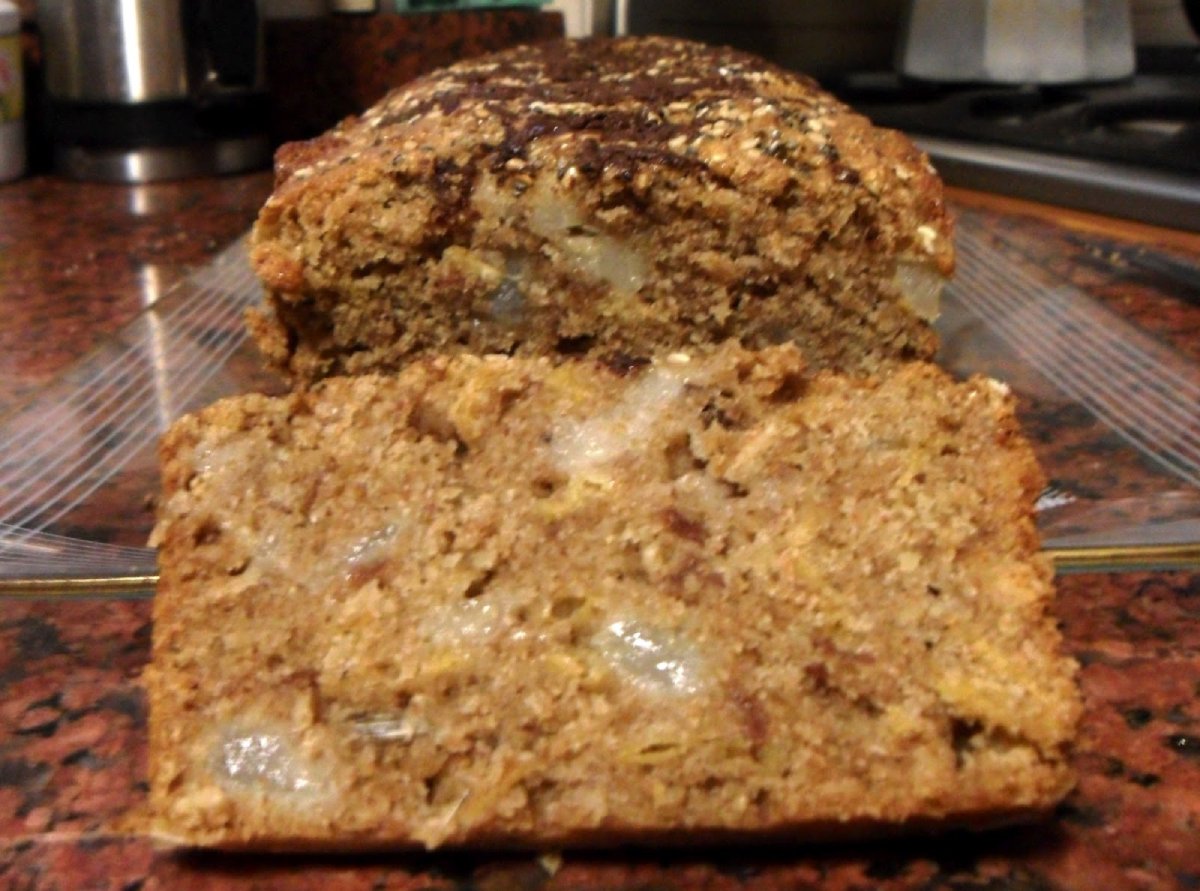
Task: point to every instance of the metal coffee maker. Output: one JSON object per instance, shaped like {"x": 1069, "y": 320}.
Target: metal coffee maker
{"x": 1017, "y": 41}
{"x": 146, "y": 90}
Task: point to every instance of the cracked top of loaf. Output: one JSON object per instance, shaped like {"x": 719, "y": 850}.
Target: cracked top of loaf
{"x": 637, "y": 194}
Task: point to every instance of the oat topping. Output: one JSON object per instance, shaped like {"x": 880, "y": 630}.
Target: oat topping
{"x": 641, "y": 194}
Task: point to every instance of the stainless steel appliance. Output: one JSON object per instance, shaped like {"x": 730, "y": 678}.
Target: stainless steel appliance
{"x": 1017, "y": 41}
{"x": 143, "y": 90}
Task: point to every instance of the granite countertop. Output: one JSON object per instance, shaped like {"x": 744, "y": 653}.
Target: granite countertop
{"x": 78, "y": 261}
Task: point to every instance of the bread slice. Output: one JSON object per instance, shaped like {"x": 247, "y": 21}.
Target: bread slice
{"x": 633, "y": 195}
{"x": 503, "y": 601}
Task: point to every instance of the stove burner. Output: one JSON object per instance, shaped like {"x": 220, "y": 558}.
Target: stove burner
{"x": 1150, "y": 121}
{"x": 1129, "y": 148}
{"x": 1015, "y": 106}
{"x": 1174, "y": 119}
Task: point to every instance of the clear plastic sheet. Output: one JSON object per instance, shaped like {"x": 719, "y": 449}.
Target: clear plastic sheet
{"x": 1113, "y": 411}
{"x": 78, "y": 462}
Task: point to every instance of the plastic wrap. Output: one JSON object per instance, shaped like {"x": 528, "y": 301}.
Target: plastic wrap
{"x": 1112, "y": 409}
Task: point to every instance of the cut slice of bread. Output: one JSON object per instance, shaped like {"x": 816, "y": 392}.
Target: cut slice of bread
{"x": 506, "y": 601}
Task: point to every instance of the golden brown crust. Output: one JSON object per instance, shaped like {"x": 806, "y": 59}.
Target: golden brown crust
{"x": 629, "y": 195}
{"x": 499, "y": 601}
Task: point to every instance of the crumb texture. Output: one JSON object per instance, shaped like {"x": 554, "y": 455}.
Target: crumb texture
{"x": 628, "y": 195}
{"x": 497, "y": 600}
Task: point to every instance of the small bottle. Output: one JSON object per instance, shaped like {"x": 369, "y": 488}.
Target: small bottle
{"x": 12, "y": 94}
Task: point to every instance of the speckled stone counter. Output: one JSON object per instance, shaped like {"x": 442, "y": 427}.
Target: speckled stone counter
{"x": 78, "y": 261}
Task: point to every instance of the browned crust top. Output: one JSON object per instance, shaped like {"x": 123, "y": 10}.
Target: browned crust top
{"x": 619, "y": 109}
{"x": 614, "y": 89}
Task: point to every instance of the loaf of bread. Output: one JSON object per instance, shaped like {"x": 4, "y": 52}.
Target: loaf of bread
{"x": 513, "y": 601}
{"x": 624, "y": 196}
